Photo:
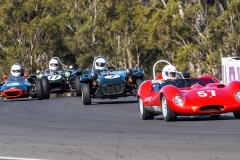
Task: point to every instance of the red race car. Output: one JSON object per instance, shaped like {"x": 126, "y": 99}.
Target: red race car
{"x": 175, "y": 96}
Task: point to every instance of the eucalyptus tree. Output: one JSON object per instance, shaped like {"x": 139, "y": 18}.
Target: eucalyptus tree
{"x": 86, "y": 21}
{"x": 184, "y": 32}
{"x": 224, "y": 31}
{"x": 30, "y": 32}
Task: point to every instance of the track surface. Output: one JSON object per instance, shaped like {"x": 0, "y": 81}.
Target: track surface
{"x": 63, "y": 128}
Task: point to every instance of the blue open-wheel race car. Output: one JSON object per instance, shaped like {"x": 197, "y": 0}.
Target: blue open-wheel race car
{"x": 25, "y": 86}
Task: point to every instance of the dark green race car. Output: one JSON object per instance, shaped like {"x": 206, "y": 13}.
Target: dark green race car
{"x": 110, "y": 83}
{"x": 64, "y": 80}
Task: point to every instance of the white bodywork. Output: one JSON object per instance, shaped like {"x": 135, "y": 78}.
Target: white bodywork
{"x": 230, "y": 69}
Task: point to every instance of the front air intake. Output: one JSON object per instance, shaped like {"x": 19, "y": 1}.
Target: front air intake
{"x": 212, "y": 108}
{"x": 12, "y": 93}
{"x": 113, "y": 89}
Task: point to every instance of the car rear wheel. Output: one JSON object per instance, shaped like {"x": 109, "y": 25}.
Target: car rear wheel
{"x": 237, "y": 114}
{"x": 144, "y": 114}
{"x": 86, "y": 96}
{"x": 45, "y": 87}
{"x": 139, "y": 82}
{"x": 78, "y": 88}
{"x": 39, "y": 89}
{"x": 168, "y": 114}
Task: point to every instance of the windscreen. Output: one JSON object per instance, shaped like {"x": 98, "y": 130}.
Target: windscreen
{"x": 13, "y": 79}
{"x": 181, "y": 83}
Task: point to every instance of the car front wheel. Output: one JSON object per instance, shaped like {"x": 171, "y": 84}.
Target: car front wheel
{"x": 45, "y": 87}
{"x": 237, "y": 114}
{"x": 78, "y": 88}
{"x": 39, "y": 89}
{"x": 86, "y": 96}
{"x": 144, "y": 114}
{"x": 138, "y": 82}
{"x": 168, "y": 114}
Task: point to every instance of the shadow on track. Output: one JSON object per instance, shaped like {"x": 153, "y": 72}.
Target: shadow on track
{"x": 19, "y": 99}
{"x": 114, "y": 102}
{"x": 200, "y": 118}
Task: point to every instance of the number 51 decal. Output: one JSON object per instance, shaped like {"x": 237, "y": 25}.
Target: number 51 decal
{"x": 205, "y": 93}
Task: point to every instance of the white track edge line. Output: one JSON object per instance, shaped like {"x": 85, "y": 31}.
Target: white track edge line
{"x": 14, "y": 158}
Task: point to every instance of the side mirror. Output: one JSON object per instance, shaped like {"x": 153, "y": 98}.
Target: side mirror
{"x": 25, "y": 75}
{"x": 186, "y": 75}
{"x": 5, "y": 76}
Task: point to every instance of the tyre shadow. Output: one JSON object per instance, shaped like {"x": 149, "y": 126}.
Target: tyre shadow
{"x": 199, "y": 118}
{"x": 114, "y": 102}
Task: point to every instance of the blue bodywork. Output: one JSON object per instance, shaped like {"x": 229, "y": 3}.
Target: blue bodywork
{"x": 15, "y": 82}
{"x": 112, "y": 83}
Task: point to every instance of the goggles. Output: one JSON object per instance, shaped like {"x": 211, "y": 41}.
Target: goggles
{"x": 100, "y": 64}
{"x": 171, "y": 74}
{"x": 54, "y": 65}
{"x": 16, "y": 71}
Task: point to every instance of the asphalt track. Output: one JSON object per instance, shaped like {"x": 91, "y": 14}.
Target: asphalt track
{"x": 63, "y": 128}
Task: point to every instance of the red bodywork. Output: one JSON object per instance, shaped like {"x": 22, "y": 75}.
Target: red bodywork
{"x": 212, "y": 98}
{"x": 14, "y": 93}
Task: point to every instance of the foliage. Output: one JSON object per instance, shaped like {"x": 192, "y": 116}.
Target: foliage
{"x": 193, "y": 35}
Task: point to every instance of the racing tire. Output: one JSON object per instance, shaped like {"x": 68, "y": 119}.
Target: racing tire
{"x": 144, "y": 114}
{"x": 45, "y": 87}
{"x": 39, "y": 89}
{"x": 86, "y": 96}
{"x": 237, "y": 114}
{"x": 168, "y": 114}
{"x": 139, "y": 82}
{"x": 78, "y": 87}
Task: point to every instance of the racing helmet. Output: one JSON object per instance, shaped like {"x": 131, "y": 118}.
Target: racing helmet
{"x": 16, "y": 70}
{"x": 100, "y": 64}
{"x": 53, "y": 64}
{"x": 169, "y": 72}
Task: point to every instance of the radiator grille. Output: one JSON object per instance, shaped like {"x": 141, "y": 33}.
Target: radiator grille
{"x": 13, "y": 93}
{"x": 113, "y": 89}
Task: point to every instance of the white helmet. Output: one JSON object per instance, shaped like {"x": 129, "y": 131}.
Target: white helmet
{"x": 16, "y": 70}
{"x": 100, "y": 64}
{"x": 53, "y": 64}
{"x": 169, "y": 72}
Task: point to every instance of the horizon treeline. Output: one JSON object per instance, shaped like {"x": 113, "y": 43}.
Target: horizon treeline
{"x": 193, "y": 35}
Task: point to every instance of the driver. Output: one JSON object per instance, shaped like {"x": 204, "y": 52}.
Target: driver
{"x": 100, "y": 64}
{"x": 169, "y": 72}
{"x": 16, "y": 70}
{"x": 53, "y": 66}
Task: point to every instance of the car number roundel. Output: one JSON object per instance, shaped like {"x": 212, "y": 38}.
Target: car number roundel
{"x": 206, "y": 93}
{"x": 112, "y": 76}
{"x": 54, "y": 77}
{"x": 13, "y": 84}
